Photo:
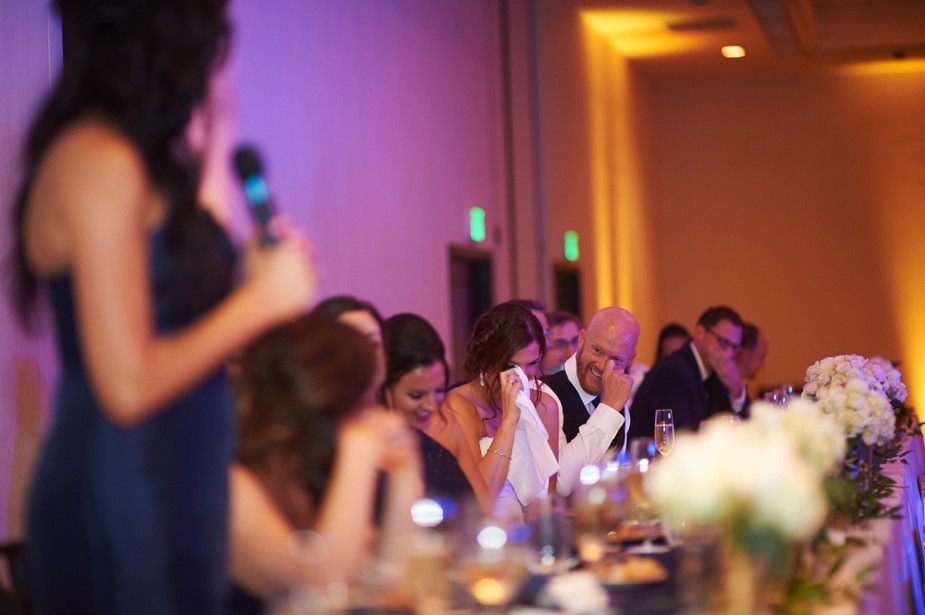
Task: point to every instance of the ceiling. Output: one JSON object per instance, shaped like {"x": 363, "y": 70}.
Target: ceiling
{"x": 678, "y": 38}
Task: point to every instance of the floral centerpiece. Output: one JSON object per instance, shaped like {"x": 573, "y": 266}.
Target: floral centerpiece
{"x": 847, "y": 387}
{"x": 759, "y": 483}
{"x": 867, "y": 398}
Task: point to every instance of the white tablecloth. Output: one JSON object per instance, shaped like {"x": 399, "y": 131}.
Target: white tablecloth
{"x": 896, "y": 547}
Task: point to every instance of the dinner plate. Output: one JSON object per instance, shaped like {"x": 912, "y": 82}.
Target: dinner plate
{"x": 629, "y": 534}
{"x": 648, "y": 549}
{"x": 618, "y": 575}
{"x": 632, "y": 586}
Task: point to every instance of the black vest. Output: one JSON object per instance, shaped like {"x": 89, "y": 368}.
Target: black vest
{"x": 574, "y": 411}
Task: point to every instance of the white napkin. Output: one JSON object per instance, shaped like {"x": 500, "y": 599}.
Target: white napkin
{"x": 532, "y": 461}
{"x": 576, "y": 592}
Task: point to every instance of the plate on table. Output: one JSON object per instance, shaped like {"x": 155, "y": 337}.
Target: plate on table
{"x": 631, "y": 572}
{"x": 629, "y": 533}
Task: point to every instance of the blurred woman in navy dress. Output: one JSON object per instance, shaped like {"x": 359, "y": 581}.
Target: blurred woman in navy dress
{"x": 129, "y": 506}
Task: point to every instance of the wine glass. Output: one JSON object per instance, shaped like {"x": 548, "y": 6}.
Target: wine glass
{"x": 640, "y": 512}
{"x": 786, "y": 396}
{"x": 596, "y": 512}
{"x": 490, "y": 558}
{"x": 664, "y": 431}
{"x": 495, "y": 571}
{"x": 550, "y": 535}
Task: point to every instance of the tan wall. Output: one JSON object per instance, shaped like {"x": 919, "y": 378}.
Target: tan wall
{"x": 598, "y": 163}
{"x": 801, "y": 202}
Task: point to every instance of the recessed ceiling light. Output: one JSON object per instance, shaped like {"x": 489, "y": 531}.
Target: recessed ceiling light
{"x": 733, "y": 51}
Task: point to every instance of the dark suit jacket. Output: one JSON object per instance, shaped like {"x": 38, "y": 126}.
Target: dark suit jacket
{"x": 574, "y": 412}
{"x": 674, "y": 382}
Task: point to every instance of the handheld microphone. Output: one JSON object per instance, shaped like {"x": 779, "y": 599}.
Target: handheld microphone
{"x": 250, "y": 171}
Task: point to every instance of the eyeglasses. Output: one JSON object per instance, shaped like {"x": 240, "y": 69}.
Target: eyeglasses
{"x": 724, "y": 343}
{"x": 563, "y": 343}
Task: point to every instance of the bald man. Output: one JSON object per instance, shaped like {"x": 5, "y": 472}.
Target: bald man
{"x": 592, "y": 391}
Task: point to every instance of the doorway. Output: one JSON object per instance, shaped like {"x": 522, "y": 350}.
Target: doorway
{"x": 567, "y": 288}
{"x": 471, "y": 295}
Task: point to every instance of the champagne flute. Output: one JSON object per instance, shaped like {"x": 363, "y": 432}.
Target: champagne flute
{"x": 664, "y": 431}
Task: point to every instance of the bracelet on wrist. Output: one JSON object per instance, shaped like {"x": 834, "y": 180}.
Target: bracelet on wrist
{"x": 499, "y": 453}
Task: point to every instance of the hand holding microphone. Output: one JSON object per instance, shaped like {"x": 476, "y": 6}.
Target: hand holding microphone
{"x": 281, "y": 266}
{"x": 250, "y": 171}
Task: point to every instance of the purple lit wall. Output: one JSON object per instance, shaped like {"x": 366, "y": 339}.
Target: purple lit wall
{"x": 30, "y": 52}
{"x": 380, "y": 124}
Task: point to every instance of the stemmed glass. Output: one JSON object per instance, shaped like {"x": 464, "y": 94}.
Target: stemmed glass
{"x": 640, "y": 512}
{"x": 664, "y": 431}
{"x": 490, "y": 559}
{"x": 550, "y": 535}
{"x": 598, "y": 506}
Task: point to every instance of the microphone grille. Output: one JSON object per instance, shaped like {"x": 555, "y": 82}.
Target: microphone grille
{"x": 247, "y": 162}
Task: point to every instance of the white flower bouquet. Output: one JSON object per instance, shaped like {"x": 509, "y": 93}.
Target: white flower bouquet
{"x": 761, "y": 484}
{"x": 851, "y": 389}
{"x": 817, "y": 435}
{"x": 754, "y": 476}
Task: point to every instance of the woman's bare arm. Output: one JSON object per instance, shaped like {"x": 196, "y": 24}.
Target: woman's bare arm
{"x": 451, "y": 436}
{"x": 93, "y": 186}
{"x": 260, "y": 559}
{"x": 495, "y": 463}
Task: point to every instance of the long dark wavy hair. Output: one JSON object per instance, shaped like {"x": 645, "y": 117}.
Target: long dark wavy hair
{"x": 141, "y": 66}
{"x": 298, "y": 384}
{"x": 496, "y": 337}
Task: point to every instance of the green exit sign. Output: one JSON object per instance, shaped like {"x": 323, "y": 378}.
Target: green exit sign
{"x": 477, "y": 224}
{"x": 570, "y": 246}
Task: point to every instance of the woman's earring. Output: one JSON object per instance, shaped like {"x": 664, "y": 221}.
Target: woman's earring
{"x": 481, "y": 379}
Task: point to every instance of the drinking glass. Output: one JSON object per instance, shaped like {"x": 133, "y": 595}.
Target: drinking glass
{"x": 596, "y": 509}
{"x": 425, "y": 580}
{"x": 550, "y": 542}
{"x": 640, "y": 512}
{"x": 495, "y": 571}
{"x": 664, "y": 431}
{"x": 786, "y": 396}
{"x": 490, "y": 559}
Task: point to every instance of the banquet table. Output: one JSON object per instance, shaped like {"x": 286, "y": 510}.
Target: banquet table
{"x": 895, "y": 552}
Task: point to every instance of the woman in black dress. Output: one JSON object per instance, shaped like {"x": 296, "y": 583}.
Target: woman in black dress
{"x": 415, "y": 385}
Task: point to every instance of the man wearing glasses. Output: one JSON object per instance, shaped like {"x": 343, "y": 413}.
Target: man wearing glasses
{"x": 698, "y": 380}
{"x": 563, "y": 340}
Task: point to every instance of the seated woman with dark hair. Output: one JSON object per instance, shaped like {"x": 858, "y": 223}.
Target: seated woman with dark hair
{"x": 672, "y": 337}
{"x": 415, "y": 385}
{"x": 310, "y": 451}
